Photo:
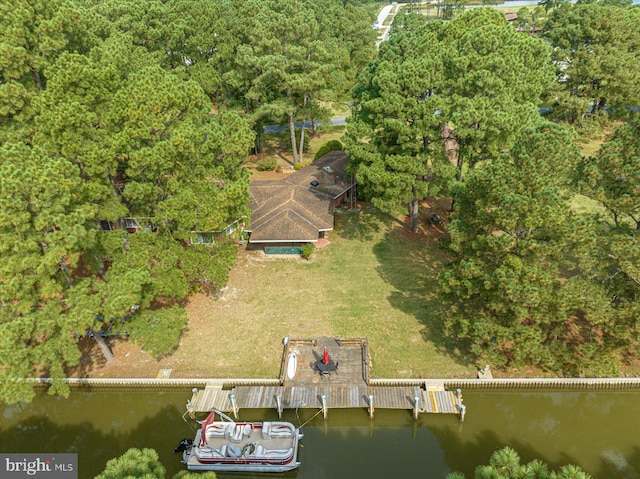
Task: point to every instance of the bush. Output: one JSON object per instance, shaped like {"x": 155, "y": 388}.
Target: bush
{"x": 158, "y": 331}
{"x": 299, "y": 166}
{"x": 267, "y": 164}
{"x": 307, "y": 250}
{"x": 333, "y": 145}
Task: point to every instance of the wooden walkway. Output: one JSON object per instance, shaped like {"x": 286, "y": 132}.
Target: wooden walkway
{"x": 264, "y": 397}
{"x": 348, "y": 387}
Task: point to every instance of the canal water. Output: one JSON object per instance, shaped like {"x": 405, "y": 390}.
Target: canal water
{"x": 597, "y": 430}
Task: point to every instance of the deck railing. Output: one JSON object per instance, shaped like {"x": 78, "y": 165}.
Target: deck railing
{"x": 450, "y": 384}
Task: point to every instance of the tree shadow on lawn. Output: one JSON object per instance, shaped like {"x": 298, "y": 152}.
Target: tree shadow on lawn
{"x": 411, "y": 264}
{"x": 364, "y": 225}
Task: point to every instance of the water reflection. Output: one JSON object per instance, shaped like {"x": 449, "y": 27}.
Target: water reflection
{"x": 98, "y": 426}
{"x": 596, "y": 430}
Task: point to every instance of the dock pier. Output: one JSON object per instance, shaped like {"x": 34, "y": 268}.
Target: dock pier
{"x": 347, "y": 386}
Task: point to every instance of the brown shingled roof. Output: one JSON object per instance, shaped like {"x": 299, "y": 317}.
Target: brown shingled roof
{"x": 511, "y": 16}
{"x": 336, "y": 161}
{"x": 292, "y": 210}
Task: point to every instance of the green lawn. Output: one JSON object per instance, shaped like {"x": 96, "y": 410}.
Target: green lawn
{"x": 388, "y": 293}
{"x": 375, "y": 280}
{"x": 591, "y": 147}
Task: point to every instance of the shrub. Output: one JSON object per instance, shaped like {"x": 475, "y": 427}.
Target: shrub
{"x": 267, "y": 164}
{"x": 158, "y": 331}
{"x": 333, "y": 145}
{"x": 299, "y": 166}
{"x": 307, "y": 250}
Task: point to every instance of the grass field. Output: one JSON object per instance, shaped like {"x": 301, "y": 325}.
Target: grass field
{"x": 376, "y": 280}
{"x": 372, "y": 281}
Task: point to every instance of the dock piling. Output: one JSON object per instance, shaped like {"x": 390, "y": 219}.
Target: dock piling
{"x": 323, "y": 398}
{"x": 462, "y": 409}
{"x": 234, "y": 406}
{"x": 415, "y": 407}
{"x": 371, "y": 408}
{"x": 279, "y": 405}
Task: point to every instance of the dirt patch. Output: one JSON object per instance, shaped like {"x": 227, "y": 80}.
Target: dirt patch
{"x": 203, "y": 350}
{"x": 131, "y": 361}
{"x": 427, "y": 231}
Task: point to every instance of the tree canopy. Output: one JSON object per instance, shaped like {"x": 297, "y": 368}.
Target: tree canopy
{"x": 611, "y": 273}
{"x": 597, "y": 57}
{"x": 473, "y": 80}
{"x": 292, "y": 55}
{"x": 123, "y": 137}
{"x": 513, "y": 234}
{"x": 505, "y": 464}
{"x": 144, "y": 464}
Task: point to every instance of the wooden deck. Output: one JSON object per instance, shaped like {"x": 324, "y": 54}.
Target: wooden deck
{"x": 264, "y": 397}
{"x": 348, "y": 387}
{"x": 351, "y": 355}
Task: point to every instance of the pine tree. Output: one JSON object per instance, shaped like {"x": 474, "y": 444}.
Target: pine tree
{"x": 596, "y": 51}
{"x": 514, "y": 236}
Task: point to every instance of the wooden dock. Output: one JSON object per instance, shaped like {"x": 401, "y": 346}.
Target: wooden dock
{"x": 264, "y": 397}
{"x": 347, "y": 387}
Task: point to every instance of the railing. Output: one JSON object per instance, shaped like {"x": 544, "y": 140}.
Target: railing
{"x": 450, "y": 384}
{"x": 155, "y": 383}
{"x": 282, "y": 250}
{"x": 543, "y": 383}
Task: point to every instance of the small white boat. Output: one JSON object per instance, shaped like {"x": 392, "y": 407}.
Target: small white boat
{"x": 292, "y": 365}
{"x": 231, "y": 446}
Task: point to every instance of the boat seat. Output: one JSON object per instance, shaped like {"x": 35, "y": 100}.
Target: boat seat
{"x": 259, "y": 452}
{"x": 228, "y": 432}
{"x": 278, "y": 453}
{"x": 239, "y": 431}
{"x": 216, "y": 430}
{"x": 280, "y": 430}
{"x": 208, "y": 452}
{"x": 266, "y": 430}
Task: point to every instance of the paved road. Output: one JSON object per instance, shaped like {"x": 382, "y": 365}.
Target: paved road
{"x": 268, "y": 130}
{"x": 382, "y": 17}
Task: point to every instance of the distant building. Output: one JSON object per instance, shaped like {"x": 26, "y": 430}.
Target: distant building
{"x": 511, "y": 16}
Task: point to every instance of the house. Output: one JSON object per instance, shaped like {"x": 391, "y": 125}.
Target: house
{"x": 288, "y": 213}
{"x": 511, "y": 17}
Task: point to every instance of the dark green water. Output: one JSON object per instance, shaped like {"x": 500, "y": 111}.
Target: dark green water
{"x": 600, "y": 431}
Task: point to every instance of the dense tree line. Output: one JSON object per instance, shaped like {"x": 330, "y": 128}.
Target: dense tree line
{"x": 453, "y": 106}
{"x": 473, "y": 79}
{"x": 116, "y": 109}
